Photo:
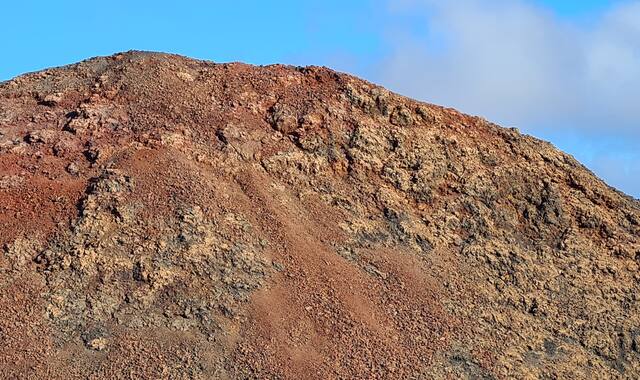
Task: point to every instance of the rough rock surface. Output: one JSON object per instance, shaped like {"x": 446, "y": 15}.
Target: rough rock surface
{"x": 162, "y": 217}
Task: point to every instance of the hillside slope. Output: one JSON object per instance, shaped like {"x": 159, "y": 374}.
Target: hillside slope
{"x": 162, "y": 217}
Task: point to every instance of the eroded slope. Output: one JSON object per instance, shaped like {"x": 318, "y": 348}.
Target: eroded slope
{"x": 166, "y": 217}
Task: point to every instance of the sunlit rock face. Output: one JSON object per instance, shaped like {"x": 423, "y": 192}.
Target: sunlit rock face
{"x": 162, "y": 217}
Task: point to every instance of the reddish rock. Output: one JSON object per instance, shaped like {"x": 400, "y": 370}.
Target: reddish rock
{"x": 162, "y": 217}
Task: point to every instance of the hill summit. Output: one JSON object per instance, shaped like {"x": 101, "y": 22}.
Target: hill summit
{"x": 164, "y": 217}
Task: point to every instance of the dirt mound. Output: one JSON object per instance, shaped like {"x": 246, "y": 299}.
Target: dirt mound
{"x": 162, "y": 217}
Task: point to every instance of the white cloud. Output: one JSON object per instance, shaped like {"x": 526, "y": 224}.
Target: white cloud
{"x": 520, "y": 64}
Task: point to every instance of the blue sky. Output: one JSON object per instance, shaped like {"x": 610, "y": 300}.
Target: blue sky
{"x": 577, "y": 8}
{"x": 566, "y": 71}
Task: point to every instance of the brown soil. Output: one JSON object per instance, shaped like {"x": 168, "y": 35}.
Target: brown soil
{"x": 162, "y": 217}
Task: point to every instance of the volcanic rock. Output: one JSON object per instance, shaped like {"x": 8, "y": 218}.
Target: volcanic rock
{"x": 163, "y": 217}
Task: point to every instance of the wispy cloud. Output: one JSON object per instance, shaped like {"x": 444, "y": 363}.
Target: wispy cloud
{"x": 520, "y": 64}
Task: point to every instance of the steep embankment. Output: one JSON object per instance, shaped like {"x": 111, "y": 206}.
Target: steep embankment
{"x": 162, "y": 217}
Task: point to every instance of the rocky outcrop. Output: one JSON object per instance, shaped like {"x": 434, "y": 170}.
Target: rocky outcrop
{"x": 163, "y": 217}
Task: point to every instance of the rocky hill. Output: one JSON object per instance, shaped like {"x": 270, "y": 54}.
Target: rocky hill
{"x": 163, "y": 217}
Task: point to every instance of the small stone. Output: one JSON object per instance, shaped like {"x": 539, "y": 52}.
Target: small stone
{"x": 282, "y": 119}
{"x": 98, "y": 344}
{"x": 92, "y": 155}
{"x": 73, "y": 169}
{"x": 279, "y": 267}
{"x": 52, "y": 99}
{"x": 41, "y": 136}
{"x": 425, "y": 114}
{"x": 185, "y": 76}
{"x": 401, "y": 116}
